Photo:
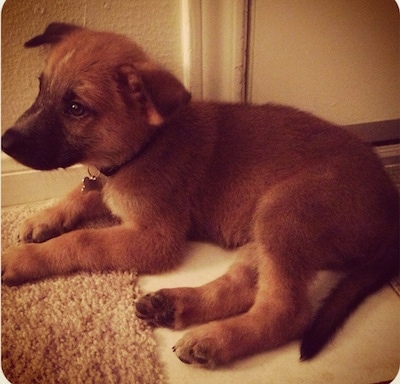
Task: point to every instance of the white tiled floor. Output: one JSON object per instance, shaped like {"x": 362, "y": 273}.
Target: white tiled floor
{"x": 365, "y": 351}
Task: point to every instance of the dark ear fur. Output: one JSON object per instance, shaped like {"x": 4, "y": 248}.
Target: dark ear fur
{"x": 53, "y": 34}
{"x": 162, "y": 93}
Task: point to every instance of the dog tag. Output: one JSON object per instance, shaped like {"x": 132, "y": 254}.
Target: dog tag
{"x": 90, "y": 184}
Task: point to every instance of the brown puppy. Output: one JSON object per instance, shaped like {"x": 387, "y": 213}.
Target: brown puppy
{"x": 298, "y": 195}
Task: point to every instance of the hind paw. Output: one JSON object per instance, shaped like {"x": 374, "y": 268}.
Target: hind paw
{"x": 157, "y": 309}
{"x": 198, "y": 350}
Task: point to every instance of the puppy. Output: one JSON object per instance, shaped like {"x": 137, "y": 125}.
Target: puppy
{"x": 296, "y": 193}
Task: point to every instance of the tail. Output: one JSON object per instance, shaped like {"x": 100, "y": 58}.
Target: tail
{"x": 345, "y": 298}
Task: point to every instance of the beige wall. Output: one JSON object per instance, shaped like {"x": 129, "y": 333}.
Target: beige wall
{"x": 155, "y": 24}
{"x": 336, "y": 58}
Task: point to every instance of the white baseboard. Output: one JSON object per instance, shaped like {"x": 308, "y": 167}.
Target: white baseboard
{"x": 20, "y": 184}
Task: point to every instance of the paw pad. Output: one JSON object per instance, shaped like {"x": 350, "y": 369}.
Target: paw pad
{"x": 157, "y": 309}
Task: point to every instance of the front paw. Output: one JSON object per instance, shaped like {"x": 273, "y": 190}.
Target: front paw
{"x": 21, "y": 264}
{"x": 40, "y": 227}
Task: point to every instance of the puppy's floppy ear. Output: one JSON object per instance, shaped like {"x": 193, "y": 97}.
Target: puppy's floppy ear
{"x": 160, "y": 93}
{"x": 166, "y": 92}
{"x": 54, "y": 33}
{"x": 129, "y": 78}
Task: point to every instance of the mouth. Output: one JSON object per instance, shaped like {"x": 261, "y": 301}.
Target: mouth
{"x": 43, "y": 163}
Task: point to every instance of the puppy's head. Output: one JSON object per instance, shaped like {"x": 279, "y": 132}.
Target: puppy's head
{"x": 101, "y": 99}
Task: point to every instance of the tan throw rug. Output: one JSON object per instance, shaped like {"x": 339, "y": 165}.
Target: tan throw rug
{"x": 74, "y": 329}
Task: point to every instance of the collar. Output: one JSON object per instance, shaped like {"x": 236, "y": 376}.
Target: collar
{"x": 114, "y": 169}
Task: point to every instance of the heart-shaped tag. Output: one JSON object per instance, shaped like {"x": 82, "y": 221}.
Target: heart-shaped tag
{"x": 90, "y": 184}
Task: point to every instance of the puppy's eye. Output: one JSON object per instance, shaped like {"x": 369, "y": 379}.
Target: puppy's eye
{"x": 76, "y": 109}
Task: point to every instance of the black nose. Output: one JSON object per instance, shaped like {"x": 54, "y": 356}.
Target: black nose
{"x": 11, "y": 141}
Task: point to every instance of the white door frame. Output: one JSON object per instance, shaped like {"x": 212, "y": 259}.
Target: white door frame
{"x": 214, "y": 48}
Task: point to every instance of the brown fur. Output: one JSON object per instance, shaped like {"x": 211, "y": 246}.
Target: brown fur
{"x": 298, "y": 194}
